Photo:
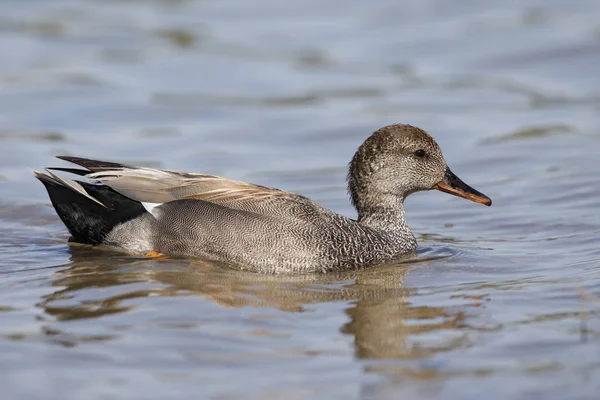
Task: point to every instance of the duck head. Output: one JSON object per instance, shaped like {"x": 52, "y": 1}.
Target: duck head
{"x": 398, "y": 160}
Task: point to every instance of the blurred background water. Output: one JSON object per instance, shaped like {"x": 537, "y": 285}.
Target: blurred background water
{"x": 501, "y": 302}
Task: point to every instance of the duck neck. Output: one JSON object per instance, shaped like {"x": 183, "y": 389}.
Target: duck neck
{"x": 386, "y": 214}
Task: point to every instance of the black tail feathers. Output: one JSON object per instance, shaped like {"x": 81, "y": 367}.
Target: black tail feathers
{"x": 88, "y": 221}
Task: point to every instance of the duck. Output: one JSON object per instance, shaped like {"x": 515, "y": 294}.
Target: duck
{"x": 150, "y": 212}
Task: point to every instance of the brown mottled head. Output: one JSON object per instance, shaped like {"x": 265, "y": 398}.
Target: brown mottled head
{"x": 398, "y": 160}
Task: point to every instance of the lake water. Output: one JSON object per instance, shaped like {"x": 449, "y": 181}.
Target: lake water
{"x": 500, "y": 302}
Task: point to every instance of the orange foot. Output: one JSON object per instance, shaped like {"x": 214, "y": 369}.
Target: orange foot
{"x": 155, "y": 254}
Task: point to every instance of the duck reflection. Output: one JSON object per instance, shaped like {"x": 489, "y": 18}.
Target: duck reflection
{"x": 381, "y": 315}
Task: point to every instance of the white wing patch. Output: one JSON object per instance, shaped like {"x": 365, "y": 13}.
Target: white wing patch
{"x": 150, "y": 206}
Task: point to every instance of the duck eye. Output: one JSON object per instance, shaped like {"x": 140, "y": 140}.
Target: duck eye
{"x": 420, "y": 153}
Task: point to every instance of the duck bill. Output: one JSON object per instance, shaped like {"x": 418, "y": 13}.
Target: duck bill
{"x": 453, "y": 185}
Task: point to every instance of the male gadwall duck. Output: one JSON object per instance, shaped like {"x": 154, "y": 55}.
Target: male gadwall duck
{"x": 152, "y": 212}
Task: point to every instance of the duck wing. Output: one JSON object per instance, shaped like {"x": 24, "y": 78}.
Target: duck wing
{"x": 153, "y": 187}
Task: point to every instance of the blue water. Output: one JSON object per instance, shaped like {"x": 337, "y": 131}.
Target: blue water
{"x": 500, "y": 302}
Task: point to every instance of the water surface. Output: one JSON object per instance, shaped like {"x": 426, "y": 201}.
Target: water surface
{"x": 500, "y": 302}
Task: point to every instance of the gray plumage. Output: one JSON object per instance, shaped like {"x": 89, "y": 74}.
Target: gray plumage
{"x": 254, "y": 227}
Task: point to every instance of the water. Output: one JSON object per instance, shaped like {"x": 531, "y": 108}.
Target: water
{"x": 501, "y": 302}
